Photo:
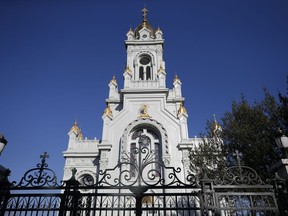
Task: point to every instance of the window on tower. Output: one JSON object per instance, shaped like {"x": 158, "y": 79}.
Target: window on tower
{"x": 141, "y": 73}
{"x": 145, "y": 68}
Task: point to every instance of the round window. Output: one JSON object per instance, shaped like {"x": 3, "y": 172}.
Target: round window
{"x": 86, "y": 180}
{"x": 144, "y": 141}
{"x": 144, "y": 60}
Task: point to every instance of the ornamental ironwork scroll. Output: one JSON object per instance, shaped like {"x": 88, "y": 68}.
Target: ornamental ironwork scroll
{"x": 41, "y": 176}
{"x": 238, "y": 175}
{"x": 146, "y": 172}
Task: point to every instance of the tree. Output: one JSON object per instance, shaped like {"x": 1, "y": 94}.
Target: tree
{"x": 251, "y": 129}
{"x": 209, "y": 156}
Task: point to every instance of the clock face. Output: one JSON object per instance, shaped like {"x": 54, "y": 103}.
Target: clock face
{"x": 144, "y": 141}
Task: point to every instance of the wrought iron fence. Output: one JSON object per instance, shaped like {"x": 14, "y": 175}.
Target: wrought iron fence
{"x": 236, "y": 191}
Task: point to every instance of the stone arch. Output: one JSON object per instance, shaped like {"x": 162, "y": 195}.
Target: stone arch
{"x": 148, "y": 123}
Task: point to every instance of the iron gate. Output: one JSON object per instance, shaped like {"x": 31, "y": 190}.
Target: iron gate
{"x": 152, "y": 191}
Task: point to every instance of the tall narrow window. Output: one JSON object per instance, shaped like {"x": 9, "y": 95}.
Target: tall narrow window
{"x": 141, "y": 73}
{"x": 148, "y": 73}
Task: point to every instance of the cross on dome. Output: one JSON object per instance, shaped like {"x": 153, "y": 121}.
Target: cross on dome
{"x": 144, "y": 11}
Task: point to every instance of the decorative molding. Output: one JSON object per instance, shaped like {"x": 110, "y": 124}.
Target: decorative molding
{"x": 79, "y": 162}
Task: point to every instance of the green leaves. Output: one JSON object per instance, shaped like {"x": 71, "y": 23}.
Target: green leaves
{"x": 248, "y": 128}
{"x": 251, "y": 130}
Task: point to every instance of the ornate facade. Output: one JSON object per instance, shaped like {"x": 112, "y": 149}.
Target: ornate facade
{"x": 145, "y": 113}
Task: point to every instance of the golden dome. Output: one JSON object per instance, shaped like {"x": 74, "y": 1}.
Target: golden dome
{"x": 144, "y": 24}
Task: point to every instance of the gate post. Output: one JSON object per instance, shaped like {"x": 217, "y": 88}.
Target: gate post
{"x": 4, "y": 191}
{"x": 71, "y": 196}
{"x": 208, "y": 202}
{"x": 138, "y": 192}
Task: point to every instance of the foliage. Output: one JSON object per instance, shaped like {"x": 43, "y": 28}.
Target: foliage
{"x": 209, "y": 156}
{"x": 251, "y": 130}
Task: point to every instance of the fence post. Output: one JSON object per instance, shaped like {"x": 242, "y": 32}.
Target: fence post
{"x": 281, "y": 192}
{"x": 71, "y": 196}
{"x": 5, "y": 186}
{"x": 208, "y": 203}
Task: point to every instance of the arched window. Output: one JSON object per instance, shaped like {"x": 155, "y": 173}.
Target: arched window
{"x": 150, "y": 140}
{"x": 145, "y": 68}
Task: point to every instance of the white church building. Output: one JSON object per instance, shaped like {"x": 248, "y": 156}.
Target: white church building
{"x": 144, "y": 113}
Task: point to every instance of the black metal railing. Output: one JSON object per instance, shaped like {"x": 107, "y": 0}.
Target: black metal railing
{"x": 236, "y": 191}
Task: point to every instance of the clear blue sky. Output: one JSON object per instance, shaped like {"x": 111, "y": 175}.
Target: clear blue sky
{"x": 57, "y": 58}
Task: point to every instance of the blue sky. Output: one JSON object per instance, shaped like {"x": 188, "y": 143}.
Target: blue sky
{"x": 57, "y": 58}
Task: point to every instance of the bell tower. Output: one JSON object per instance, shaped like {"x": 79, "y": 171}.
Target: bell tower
{"x": 145, "y": 63}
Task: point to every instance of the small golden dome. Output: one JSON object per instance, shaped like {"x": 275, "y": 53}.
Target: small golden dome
{"x": 176, "y": 79}
{"x": 182, "y": 109}
{"x": 108, "y": 111}
{"x": 128, "y": 70}
{"x": 76, "y": 130}
{"x": 113, "y": 80}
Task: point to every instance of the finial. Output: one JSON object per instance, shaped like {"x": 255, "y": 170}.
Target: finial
{"x": 130, "y": 30}
{"x": 113, "y": 80}
{"x": 176, "y": 79}
{"x": 144, "y": 11}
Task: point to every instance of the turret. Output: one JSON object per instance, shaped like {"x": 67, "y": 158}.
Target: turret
{"x": 74, "y": 135}
{"x": 177, "y": 87}
{"x": 162, "y": 77}
{"x": 113, "y": 89}
{"x": 183, "y": 117}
